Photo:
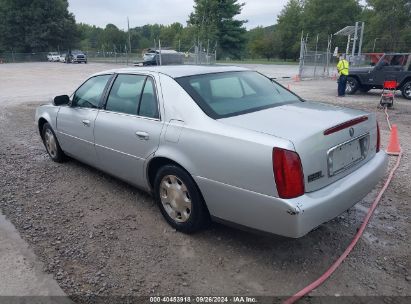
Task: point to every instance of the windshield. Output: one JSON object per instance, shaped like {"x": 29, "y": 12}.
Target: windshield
{"x": 228, "y": 94}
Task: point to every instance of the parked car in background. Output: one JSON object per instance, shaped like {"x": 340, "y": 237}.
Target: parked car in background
{"x": 219, "y": 142}
{"x": 78, "y": 57}
{"x": 63, "y": 57}
{"x": 168, "y": 57}
{"x": 394, "y": 66}
{"x": 53, "y": 57}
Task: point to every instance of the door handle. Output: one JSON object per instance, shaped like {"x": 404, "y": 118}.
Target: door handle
{"x": 86, "y": 123}
{"x": 143, "y": 135}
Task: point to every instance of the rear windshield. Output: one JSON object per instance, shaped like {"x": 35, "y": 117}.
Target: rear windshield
{"x": 227, "y": 94}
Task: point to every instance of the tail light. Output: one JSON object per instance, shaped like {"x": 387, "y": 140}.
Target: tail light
{"x": 378, "y": 147}
{"x": 288, "y": 173}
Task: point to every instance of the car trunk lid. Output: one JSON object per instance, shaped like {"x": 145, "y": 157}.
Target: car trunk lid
{"x": 331, "y": 141}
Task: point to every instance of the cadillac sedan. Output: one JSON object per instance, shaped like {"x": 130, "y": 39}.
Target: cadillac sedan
{"x": 219, "y": 143}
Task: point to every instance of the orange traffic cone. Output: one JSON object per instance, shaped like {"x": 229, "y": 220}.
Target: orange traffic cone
{"x": 288, "y": 87}
{"x": 334, "y": 77}
{"x": 297, "y": 78}
{"x": 394, "y": 145}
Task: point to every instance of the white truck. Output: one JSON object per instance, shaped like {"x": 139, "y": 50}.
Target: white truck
{"x": 53, "y": 57}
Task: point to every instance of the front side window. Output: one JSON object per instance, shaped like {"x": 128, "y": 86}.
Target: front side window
{"x": 228, "y": 94}
{"x": 90, "y": 93}
{"x": 125, "y": 94}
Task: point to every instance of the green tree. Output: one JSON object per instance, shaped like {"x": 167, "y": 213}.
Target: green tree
{"x": 289, "y": 28}
{"x": 263, "y": 42}
{"x": 90, "y": 36}
{"x": 388, "y": 25}
{"x": 326, "y": 17}
{"x": 170, "y": 35}
{"x": 36, "y": 25}
{"x": 114, "y": 39}
{"x": 215, "y": 24}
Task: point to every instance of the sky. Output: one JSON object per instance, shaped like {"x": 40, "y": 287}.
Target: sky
{"x": 102, "y": 12}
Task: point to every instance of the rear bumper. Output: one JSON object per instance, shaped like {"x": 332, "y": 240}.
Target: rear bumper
{"x": 295, "y": 217}
{"x": 325, "y": 204}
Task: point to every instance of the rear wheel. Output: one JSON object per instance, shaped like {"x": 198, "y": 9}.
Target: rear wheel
{"x": 52, "y": 145}
{"x": 180, "y": 200}
{"x": 406, "y": 90}
{"x": 352, "y": 85}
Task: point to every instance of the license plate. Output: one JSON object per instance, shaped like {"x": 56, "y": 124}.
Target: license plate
{"x": 346, "y": 155}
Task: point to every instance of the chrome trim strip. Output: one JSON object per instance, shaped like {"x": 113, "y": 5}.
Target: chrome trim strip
{"x": 113, "y": 150}
{"x": 86, "y": 141}
{"x": 129, "y": 115}
{"x": 80, "y": 139}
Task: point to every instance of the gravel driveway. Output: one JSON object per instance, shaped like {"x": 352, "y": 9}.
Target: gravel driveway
{"x": 101, "y": 237}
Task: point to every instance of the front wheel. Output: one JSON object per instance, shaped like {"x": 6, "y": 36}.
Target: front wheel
{"x": 352, "y": 85}
{"x": 52, "y": 145}
{"x": 180, "y": 200}
{"x": 406, "y": 90}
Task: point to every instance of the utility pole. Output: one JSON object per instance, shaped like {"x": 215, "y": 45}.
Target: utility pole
{"x": 129, "y": 38}
{"x": 361, "y": 38}
{"x": 129, "y": 35}
{"x": 159, "y": 49}
{"x": 355, "y": 39}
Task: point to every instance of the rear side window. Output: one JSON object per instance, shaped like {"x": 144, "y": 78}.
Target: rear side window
{"x": 125, "y": 94}
{"x": 228, "y": 94}
{"x": 90, "y": 93}
{"x": 148, "y": 106}
{"x": 133, "y": 94}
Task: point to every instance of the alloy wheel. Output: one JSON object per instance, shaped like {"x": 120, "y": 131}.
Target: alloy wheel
{"x": 51, "y": 143}
{"x": 175, "y": 198}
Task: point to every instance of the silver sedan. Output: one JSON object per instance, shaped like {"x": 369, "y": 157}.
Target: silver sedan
{"x": 221, "y": 143}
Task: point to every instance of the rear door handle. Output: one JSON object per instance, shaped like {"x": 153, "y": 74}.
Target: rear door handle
{"x": 86, "y": 123}
{"x": 143, "y": 135}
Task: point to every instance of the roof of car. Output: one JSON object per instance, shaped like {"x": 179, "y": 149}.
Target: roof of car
{"x": 176, "y": 71}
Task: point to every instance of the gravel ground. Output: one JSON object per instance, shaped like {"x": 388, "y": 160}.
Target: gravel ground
{"x": 100, "y": 236}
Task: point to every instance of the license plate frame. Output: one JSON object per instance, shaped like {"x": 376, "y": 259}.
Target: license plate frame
{"x": 348, "y": 154}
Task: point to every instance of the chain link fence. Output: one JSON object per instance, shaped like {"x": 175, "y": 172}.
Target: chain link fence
{"x": 191, "y": 57}
{"x": 11, "y": 57}
{"x": 316, "y": 64}
{"x": 316, "y": 61}
{"x": 113, "y": 57}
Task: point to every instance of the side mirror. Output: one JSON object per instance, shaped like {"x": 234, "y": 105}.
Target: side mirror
{"x": 61, "y": 100}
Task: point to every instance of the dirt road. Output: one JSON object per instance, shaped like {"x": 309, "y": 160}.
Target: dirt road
{"x": 100, "y": 236}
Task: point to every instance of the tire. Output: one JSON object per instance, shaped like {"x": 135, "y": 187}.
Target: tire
{"x": 406, "y": 90}
{"x": 352, "y": 85}
{"x": 180, "y": 200}
{"x": 52, "y": 145}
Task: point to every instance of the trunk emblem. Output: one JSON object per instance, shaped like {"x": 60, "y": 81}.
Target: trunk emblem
{"x": 352, "y": 132}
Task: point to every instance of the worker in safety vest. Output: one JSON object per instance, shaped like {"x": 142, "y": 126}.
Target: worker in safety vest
{"x": 343, "y": 67}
